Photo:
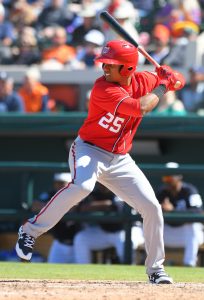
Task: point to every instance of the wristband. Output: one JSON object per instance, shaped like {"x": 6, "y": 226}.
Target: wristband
{"x": 159, "y": 91}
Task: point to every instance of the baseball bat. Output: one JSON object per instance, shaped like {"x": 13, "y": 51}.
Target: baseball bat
{"x": 106, "y": 17}
{"x": 113, "y": 23}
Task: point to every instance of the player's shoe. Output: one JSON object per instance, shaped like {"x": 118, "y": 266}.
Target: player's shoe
{"x": 24, "y": 245}
{"x": 160, "y": 278}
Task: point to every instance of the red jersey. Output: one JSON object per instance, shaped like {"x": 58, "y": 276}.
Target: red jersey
{"x": 114, "y": 112}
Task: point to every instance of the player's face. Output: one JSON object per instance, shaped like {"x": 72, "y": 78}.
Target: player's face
{"x": 112, "y": 72}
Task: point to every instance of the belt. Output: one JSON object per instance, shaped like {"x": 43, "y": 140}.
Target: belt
{"x": 89, "y": 143}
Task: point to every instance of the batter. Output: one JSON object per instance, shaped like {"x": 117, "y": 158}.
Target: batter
{"x": 118, "y": 101}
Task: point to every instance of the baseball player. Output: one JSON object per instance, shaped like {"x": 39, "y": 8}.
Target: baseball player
{"x": 119, "y": 100}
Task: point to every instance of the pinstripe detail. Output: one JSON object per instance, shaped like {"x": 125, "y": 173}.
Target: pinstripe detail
{"x": 120, "y": 103}
{"x": 73, "y": 150}
{"x": 128, "y": 96}
{"x": 120, "y": 135}
{"x": 49, "y": 203}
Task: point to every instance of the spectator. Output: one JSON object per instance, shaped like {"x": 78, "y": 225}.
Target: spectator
{"x": 22, "y": 14}
{"x": 192, "y": 95}
{"x": 6, "y": 37}
{"x": 99, "y": 236}
{"x": 9, "y": 99}
{"x": 94, "y": 41}
{"x": 89, "y": 22}
{"x": 160, "y": 43}
{"x": 53, "y": 14}
{"x": 61, "y": 250}
{"x": 127, "y": 16}
{"x": 183, "y": 19}
{"x": 58, "y": 54}
{"x": 179, "y": 10}
{"x": 34, "y": 94}
{"x": 177, "y": 195}
{"x": 144, "y": 7}
{"x": 170, "y": 105}
{"x": 182, "y": 34}
{"x": 26, "y": 50}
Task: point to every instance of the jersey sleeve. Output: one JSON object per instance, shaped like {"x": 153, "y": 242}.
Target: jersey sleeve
{"x": 112, "y": 98}
{"x": 147, "y": 81}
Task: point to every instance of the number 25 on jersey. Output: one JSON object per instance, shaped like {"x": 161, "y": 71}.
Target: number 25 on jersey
{"x": 111, "y": 123}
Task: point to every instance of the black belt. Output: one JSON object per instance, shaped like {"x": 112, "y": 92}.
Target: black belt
{"x": 89, "y": 143}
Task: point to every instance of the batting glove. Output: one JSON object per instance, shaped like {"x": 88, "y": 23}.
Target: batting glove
{"x": 173, "y": 80}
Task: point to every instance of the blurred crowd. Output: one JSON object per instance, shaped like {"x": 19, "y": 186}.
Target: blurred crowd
{"x": 59, "y": 34}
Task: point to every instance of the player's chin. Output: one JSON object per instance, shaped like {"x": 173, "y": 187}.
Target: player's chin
{"x": 108, "y": 77}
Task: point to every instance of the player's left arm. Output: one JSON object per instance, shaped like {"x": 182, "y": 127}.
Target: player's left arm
{"x": 167, "y": 80}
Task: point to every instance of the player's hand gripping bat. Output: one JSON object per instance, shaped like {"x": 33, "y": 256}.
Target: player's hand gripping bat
{"x": 106, "y": 17}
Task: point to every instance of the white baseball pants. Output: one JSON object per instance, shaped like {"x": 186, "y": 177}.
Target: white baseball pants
{"x": 122, "y": 176}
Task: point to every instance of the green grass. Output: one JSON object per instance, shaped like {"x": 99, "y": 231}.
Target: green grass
{"x": 11, "y": 270}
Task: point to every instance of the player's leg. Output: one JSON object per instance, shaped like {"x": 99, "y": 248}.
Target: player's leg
{"x": 84, "y": 165}
{"x": 84, "y": 170}
{"x": 127, "y": 181}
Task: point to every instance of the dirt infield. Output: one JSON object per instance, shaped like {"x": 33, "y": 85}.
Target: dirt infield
{"x": 97, "y": 290}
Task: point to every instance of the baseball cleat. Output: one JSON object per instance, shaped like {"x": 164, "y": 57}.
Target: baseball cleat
{"x": 24, "y": 245}
{"x": 160, "y": 278}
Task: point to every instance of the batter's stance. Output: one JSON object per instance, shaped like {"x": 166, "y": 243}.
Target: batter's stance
{"x": 119, "y": 99}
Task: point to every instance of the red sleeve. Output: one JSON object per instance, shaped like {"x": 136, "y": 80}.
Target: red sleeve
{"x": 114, "y": 98}
{"x": 142, "y": 84}
{"x": 146, "y": 81}
{"x": 109, "y": 97}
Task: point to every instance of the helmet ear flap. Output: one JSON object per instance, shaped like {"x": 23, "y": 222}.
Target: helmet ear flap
{"x": 127, "y": 71}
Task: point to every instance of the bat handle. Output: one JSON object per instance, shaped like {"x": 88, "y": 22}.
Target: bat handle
{"x": 148, "y": 57}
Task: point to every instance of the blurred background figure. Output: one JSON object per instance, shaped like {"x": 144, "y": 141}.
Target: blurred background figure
{"x": 9, "y": 99}
{"x": 52, "y": 14}
{"x": 22, "y": 14}
{"x": 192, "y": 95}
{"x": 174, "y": 11}
{"x": 26, "y": 50}
{"x": 183, "y": 19}
{"x": 127, "y": 16}
{"x": 56, "y": 53}
{"x": 170, "y": 105}
{"x": 159, "y": 47}
{"x": 88, "y": 22}
{"x": 61, "y": 250}
{"x": 99, "y": 236}
{"x": 176, "y": 195}
{"x": 106, "y": 235}
{"x": 7, "y": 37}
{"x": 94, "y": 41}
{"x": 34, "y": 94}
